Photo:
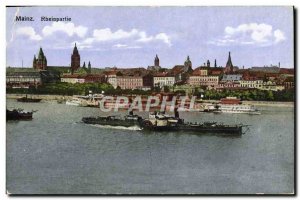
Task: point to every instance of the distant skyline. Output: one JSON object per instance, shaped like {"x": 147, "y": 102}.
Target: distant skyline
{"x": 132, "y": 36}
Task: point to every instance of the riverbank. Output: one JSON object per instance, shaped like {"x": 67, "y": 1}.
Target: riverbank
{"x": 45, "y": 97}
{"x": 59, "y": 97}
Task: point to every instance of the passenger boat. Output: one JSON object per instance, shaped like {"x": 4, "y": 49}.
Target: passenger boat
{"x": 235, "y": 106}
{"x": 237, "y": 109}
{"x": 18, "y": 114}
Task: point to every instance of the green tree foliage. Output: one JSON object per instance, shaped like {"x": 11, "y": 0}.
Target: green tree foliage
{"x": 84, "y": 88}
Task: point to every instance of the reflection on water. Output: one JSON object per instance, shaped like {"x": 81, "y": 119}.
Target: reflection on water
{"x": 57, "y": 154}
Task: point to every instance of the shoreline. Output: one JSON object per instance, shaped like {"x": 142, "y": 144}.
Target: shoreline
{"x": 49, "y": 97}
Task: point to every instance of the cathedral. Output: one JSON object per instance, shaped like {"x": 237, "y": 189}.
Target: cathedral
{"x": 40, "y": 63}
{"x": 75, "y": 60}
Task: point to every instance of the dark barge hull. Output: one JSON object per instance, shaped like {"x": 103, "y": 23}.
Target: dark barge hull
{"x": 179, "y": 127}
{"x": 116, "y": 122}
{"x": 198, "y": 129}
{"x": 15, "y": 115}
{"x": 30, "y": 100}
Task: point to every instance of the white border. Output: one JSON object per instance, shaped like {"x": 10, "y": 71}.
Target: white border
{"x": 4, "y": 3}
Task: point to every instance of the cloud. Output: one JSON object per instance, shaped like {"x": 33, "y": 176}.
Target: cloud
{"x": 161, "y": 36}
{"x": 125, "y": 46}
{"x": 29, "y": 32}
{"x": 120, "y": 45}
{"x": 250, "y": 34}
{"x": 69, "y": 28}
{"x": 135, "y": 35}
{"x": 106, "y": 34}
{"x": 279, "y": 36}
{"x": 164, "y": 37}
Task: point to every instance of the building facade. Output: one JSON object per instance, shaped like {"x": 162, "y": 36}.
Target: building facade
{"x": 72, "y": 78}
{"x": 203, "y": 80}
{"x": 161, "y": 80}
{"x": 251, "y": 84}
{"x": 129, "y": 82}
{"x": 23, "y": 79}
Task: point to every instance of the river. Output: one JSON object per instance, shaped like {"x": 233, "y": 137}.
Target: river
{"x": 57, "y": 154}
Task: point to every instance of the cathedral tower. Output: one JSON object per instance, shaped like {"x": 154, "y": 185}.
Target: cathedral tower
{"x": 40, "y": 63}
{"x": 75, "y": 60}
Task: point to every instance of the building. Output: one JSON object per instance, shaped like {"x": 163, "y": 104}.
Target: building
{"x": 75, "y": 60}
{"x": 198, "y": 80}
{"x": 94, "y": 78}
{"x": 229, "y": 85}
{"x": 232, "y": 77}
{"x": 23, "y": 79}
{"x": 156, "y": 66}
{"x": 111, "y": 77}
{"x": 40, "y": 63}
{"x": 129, "y": 82}
{"x": 72, "y": 78}
{"x": 29, "y": 77}
{"x": 289, "y": 83}
{"x": 257, "y": 84}
{"x": 148, "y": 81}
{"x": 163, "y": 79}
{"x": 266, "y": 69}
{"x": 271, "y": 86}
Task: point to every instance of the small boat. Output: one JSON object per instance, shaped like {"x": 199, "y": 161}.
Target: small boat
{"x": 31, "y": 100}
{"x": 74, "y": 102}
{"x": 18, "y": 114}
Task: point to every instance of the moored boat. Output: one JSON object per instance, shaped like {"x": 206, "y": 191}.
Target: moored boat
{"x": 237, "y": 109}
{"x": 31, "y": 100}
{"x": 234, "y": 105}
{"x": 74, "y": 102}
{"x": 18, "y": 114}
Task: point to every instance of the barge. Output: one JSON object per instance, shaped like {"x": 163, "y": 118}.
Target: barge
{"x": 159, "y": 121}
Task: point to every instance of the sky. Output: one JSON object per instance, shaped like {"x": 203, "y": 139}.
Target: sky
{"x": 132, "y": 36}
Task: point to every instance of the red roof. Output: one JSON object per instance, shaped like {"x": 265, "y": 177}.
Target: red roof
{"x": 286, "y": 71}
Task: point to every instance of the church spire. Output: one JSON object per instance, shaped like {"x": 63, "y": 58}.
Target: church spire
{"x": 156, "y": 61}
{"x": 229, "y": 65}
{"x": 89, "y": 67}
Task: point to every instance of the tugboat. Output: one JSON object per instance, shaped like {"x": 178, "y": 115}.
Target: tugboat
{"x": 162, "y": 122}
{"x": 127, "y": 121}
{"x": 18, "y": 114}
{"x": 26, "y": 99}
